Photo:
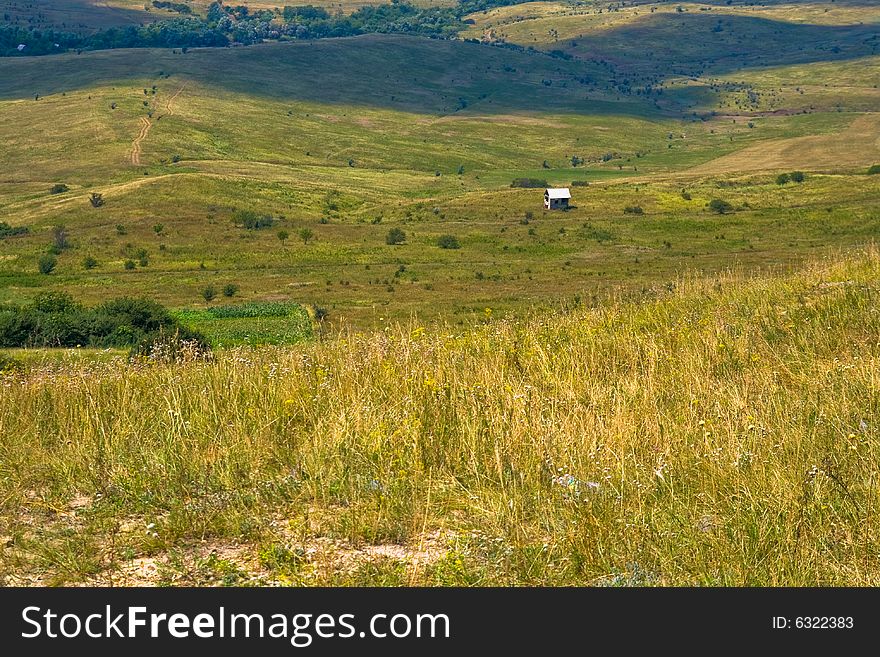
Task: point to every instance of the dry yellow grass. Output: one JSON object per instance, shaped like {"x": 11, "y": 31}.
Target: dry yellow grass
{"x": 856, "y": 146}
{"x": 725, "y": 433}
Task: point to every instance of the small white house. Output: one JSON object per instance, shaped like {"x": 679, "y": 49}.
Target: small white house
{"x": 21, "y": 47}
{"x": 556, "y": 198}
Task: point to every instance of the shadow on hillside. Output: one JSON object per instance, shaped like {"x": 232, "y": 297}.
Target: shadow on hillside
{"x": 445, "y": 77}
{"x": 661, "y": 45}
{"x": 74, "y": 15}
{"x": 766, "y": 3}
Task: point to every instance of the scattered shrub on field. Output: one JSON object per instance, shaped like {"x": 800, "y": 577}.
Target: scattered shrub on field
{"x": 282, "y": 236}
{"x": 121, "y": 230}
{"x": 96, "y": 199}
{"x": 230, "y": 290}
{"x": 129, "y": 265}
{"x": 874, "y": 169}
{"x": 143, "y": 257}
{"x": 633, "y": 209}
{"x": 720, "y": 206}
{"x": 580, "y": 183}
{"x": 59, "y": 188}
{"x": 54, "y": 319}
{"x": 306, "y": 235}
{"x": 395, "y": 236}
{"x": 448, "y": 242}
{"x": 209, "y": 293}
{"x": 89, "y": 262}
{"x": 686, "y": 195}
{"x": 11, "y": 231}
{"x": 47, "y": 263}
{"x": 250, "y": 220}
{"x": 528, "y": 183}
{"x": 794, "y": 176}
{"x": 59, "y": 239}
{"x": 158, "y": 228}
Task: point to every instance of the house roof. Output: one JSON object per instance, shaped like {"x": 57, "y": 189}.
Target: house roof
{"x": 558, "y": 192}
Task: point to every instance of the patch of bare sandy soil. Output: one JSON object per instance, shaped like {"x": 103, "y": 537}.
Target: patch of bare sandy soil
{"x": 202, "y": 563}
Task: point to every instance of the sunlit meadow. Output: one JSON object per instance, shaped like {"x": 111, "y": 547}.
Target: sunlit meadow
{"x": 717, "y": 431}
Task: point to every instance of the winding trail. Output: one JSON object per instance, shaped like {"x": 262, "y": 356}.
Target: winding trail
{"x": 136, "y": 144}
{"x": 146, "y": 125}
{"x": 169, "y": 106}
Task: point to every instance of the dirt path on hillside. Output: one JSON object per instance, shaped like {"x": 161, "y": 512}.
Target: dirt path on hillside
{"x": 169, "y": 106}
{"x": 136, "y": 144}
{"x": 146, "y": 125}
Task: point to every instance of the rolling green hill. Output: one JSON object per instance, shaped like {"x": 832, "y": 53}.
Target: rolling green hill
{"x": 348, "y": 138}
{"x": 419, "y": 375}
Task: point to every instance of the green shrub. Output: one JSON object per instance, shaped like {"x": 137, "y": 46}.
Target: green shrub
{"x": 448, "y": 242}
{"x": 250, "y": 220}
{"x": 720, "y": 206}
{"x": 89, "y": 262}
{"x": 230, "y": 290}
{"x": 54, "y": 319}
{"x": 59, "y": 238}
{"x": 874, "y": 169}
{"x": 129, "y": 265}
{"x": 633, "y": 209}
{"x": 209, "y": 293}
{"x": 798, "y": 176}
{"x": 59, "y": 188}
{"x": 47, "y": 263}
{"x": 395, "y": 236}
{"x": 11, "y": 231}
{"x": 783, "y": 179}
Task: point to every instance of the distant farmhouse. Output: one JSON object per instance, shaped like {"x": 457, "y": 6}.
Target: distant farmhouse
{"x": 556, "y": 198}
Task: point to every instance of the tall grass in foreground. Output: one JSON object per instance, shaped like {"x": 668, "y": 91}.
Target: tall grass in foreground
{"x": 725, "y": 434}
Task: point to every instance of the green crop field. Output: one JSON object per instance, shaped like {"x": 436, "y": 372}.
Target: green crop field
{"x": 355, "y": 223}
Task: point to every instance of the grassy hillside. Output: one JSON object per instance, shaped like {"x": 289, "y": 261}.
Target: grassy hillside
{"x": 419, "y": 375}
{"x": 724, "y": 433}
{"x": 85, "y": 16}
{"x": 81, "y": 16}
{"x": 425, "y": 136}
{"x": 688, "y": 38}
